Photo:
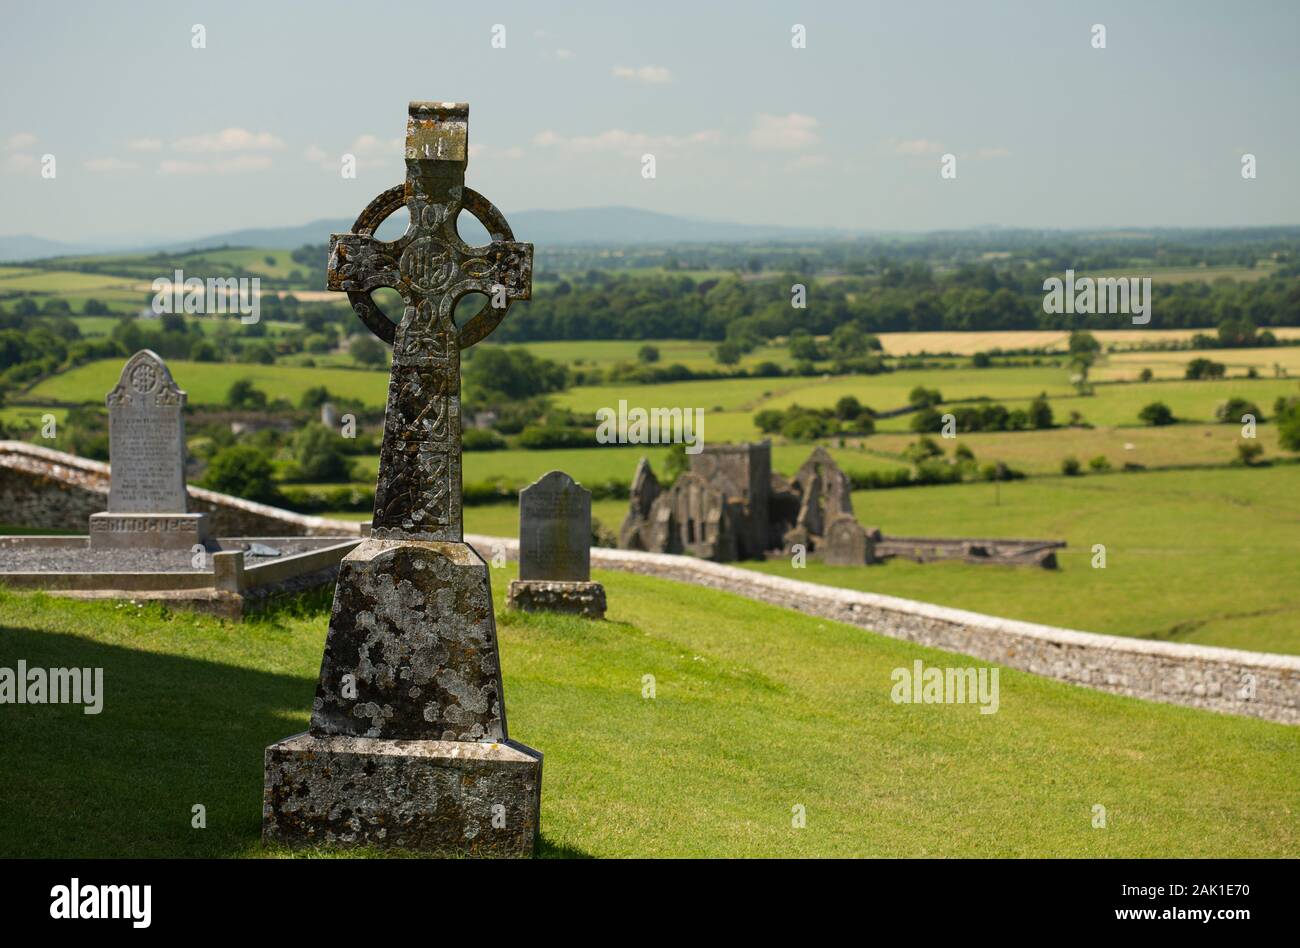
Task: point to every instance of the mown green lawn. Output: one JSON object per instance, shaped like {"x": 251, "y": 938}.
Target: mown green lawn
{"x": 755, "y": 711}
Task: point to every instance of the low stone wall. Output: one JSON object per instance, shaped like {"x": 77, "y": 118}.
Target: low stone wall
{"x": 1255, "y": 684}
{"x": 53, "y": 490}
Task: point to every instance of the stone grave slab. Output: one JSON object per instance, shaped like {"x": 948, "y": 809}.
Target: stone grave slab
{"x": 147, "y": 500}
{"x": 555, "y": 550}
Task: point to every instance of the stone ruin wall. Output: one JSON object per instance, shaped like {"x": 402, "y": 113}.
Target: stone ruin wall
{"x": 53, "y": 490}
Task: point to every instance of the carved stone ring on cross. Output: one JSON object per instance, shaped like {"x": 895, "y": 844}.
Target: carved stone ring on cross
{"x": 421, "y": 266}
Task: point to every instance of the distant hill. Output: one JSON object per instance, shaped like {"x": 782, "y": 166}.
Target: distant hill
{"x": 616, "y": 226}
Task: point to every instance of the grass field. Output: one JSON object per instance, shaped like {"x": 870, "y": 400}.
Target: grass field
{"x": 1209, "y": 557}
{"x": 756, "y": 710}
{"x": 208, "y": 382}
{"x": 1041, "y": 452}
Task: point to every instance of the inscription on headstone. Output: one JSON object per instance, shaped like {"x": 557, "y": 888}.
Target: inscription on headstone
{"x": 146, "y": 439}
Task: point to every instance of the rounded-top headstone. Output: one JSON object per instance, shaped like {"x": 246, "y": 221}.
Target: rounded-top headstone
{"x": 146, "y": 439}
{"x": 555, "y": 529}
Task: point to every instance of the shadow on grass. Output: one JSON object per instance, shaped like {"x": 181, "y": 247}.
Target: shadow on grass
{"x": 175, "y": 733}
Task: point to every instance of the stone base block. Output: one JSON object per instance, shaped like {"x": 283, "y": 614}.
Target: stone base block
{"x": 542, "y": 595}
{"x": 441, "y": 797}
{"x": 146, "y": 531}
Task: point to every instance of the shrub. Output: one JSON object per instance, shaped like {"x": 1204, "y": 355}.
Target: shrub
{"x": 1070, "y": 467}
{"x": 1205, "y": 369}
{"x": 1099, "y": 464}
{"x": 243, "y": 396}
{"x": 1288, "y": 426}
{"x": 319, "y": 454}
{"x": 1146, "y": 375}
{"x": 1157, "y": 413}
{"x": 481, "y": 439}
{"x": 1231, "y": 411}
{"x": 924, "y": 397}
{"x": 1040, "y": 412}
{"x": 1248, "y": 452}
{"x": 540, "y": 438}
{"x": 244, "y": 471}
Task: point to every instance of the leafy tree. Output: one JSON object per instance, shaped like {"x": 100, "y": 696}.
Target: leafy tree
{"x": 367, "y": 351}
{"x": 243, "y": 396}
{"x": 804, "y": 348}
{"x": 1040, "y": 412}
{"x": 1231, "y": 411}
{"x": 1288, "y": 425}
{"x": 319, "y": 454}
{"x": 499, "y": 375}
{"x": 244, "y": 471}
{"x": 203, "y": 351}
{"x": 847, "y": 408}
{"x": 727, "y": 353}
{"x": 1157, "y": 413}
{"x": 1070, "y": 466}
{"x": 1202, "y": 368}
{"x": 924, "y": 397}
{"x": 648, "y": 354}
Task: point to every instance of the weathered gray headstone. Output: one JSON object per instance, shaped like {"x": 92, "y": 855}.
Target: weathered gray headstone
{"x": 555, "y": 549}
{"x": 408, "y": 744}
{"x": 846, "y": 542}
{"x": 147, "y": 500}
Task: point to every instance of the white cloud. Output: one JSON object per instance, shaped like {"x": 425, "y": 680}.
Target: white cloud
{"x": 237, "y": 165}
{"x": 146, "y": 144}
{"x": 108, "y": 164}
{"x": 623, "y": 142}
{"x": 228, "y": 139}
{"x": 494, "y": 151}
{"x": 564, "y": 54}
{"x": 21, "y": 162}
{"x": 21, "y": 140}
{"x": 988, "y": 153}
{"x": 651, "y": 75}
{"x": 792, "y": 132}
{"x": 916, "y": 147}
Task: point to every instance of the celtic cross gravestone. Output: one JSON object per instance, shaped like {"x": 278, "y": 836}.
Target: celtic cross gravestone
{"x": 147, "y": 499}
{"x": 408, "y": 743}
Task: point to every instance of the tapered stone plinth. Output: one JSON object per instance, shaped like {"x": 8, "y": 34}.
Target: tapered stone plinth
{"x": 408, "y": 744}
{"x": 442, "y": 797}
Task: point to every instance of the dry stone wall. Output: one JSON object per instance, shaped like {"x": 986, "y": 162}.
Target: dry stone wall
{"x": 53, "y": 490}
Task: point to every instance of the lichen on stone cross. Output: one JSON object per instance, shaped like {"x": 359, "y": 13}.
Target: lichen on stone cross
{"x": 418, "y": 492}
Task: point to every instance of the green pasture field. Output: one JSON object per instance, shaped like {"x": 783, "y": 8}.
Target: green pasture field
{"x": 208, "y": 382}
{"x": 1128, "y": 366}
{"x": 755, "y": 710}
{"x": 1041, "y": 452}
{"x": 1207, "y": 556}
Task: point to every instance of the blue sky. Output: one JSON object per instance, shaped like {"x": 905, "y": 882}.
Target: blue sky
{"x": 154, "y": 139}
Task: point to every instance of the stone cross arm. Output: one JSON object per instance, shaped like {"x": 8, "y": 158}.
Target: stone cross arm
{"x": 430, "y": 262}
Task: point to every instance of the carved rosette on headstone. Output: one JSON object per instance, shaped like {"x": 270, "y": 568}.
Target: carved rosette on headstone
{"x": 147, "y": 500}
{"x": 555, "y": 550}
{"x": 408, "y": 745}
